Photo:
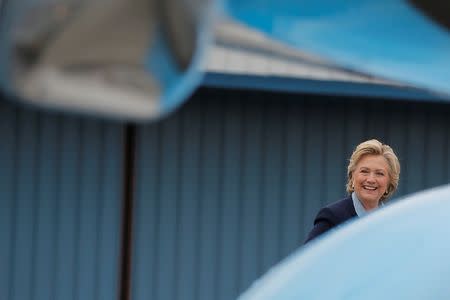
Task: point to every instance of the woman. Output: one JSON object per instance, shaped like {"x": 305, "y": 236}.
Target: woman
{"x": 373, "y": 175}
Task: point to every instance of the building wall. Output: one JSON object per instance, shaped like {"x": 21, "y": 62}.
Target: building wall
{"x": 60, "y": 206}
{"x": 230, "y": 184}
{"x": 223, "y": 189}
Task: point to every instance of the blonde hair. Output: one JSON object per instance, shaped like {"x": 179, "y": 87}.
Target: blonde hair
{"x": 375, "y": 147}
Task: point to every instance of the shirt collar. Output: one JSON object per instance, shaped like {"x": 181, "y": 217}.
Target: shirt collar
{"x": 359, "y": 208}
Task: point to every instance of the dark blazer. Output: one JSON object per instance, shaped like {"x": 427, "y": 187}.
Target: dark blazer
{"x": 331, "y": 216}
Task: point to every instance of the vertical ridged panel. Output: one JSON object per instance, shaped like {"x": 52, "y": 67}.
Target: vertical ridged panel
{"x": 315, "y": 150}
{"x": 168, "y": 209}
{"x": 397, "y": 136}
{"x": 45, "y": 250}
{"x": 230, "y": 184}
{"x": 145, "y": 277}
{"x": 24, "y": 234}
{"x": 436, "y": 147}
{"x": 335, "y": 168}
{"x": 188, "y": 256}
{"x": 294, "y": 177}
{"x": 60, "y": 206}
{"x": 8, "y": 129}
{"x": 272, "y": 199}
{"x": 229, "y": 255}
{"x": 417, "y": 144}
{"x": 251, "y": 189}
{"x": 210, "y": 198}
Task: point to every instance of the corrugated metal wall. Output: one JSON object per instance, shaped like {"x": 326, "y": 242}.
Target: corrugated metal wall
{"x": 230, "y": 184}
{"x": 60, "y": 206}
{"x": 225, "y": 188}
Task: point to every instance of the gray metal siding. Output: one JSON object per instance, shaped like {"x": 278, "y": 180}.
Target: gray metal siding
{"x": 225, "y": 188}
{"x": 60, "y": 202}
{"x": 230, "y": 184}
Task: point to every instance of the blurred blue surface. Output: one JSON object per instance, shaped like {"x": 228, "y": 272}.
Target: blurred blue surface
{"x": 386, "y": 38}
{"x": 399, "y": 252}
{"x": 176, "y": 85}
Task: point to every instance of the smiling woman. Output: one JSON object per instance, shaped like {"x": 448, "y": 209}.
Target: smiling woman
{"x": 370, "y": 180}
{"x": 373, "y": 174}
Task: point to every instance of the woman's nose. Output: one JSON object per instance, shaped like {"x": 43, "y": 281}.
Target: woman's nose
{"x": 371, "y": 177}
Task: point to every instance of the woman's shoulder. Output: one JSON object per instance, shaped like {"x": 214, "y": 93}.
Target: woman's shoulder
{"x": 342, "y": 209}
{"x": 345, "y": 202}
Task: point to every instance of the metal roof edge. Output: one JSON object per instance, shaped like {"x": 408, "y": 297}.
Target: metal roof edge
{"x": 322, "y": 87}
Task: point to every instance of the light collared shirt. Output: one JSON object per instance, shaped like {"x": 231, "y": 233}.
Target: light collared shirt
{"x": 359, "y": 208}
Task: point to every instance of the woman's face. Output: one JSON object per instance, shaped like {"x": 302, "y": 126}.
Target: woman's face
{"x": 371, "y": 178}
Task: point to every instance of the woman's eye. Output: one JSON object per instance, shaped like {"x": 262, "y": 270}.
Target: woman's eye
{"x": 380, "y": 174}
{"x": 364, "y": 171}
